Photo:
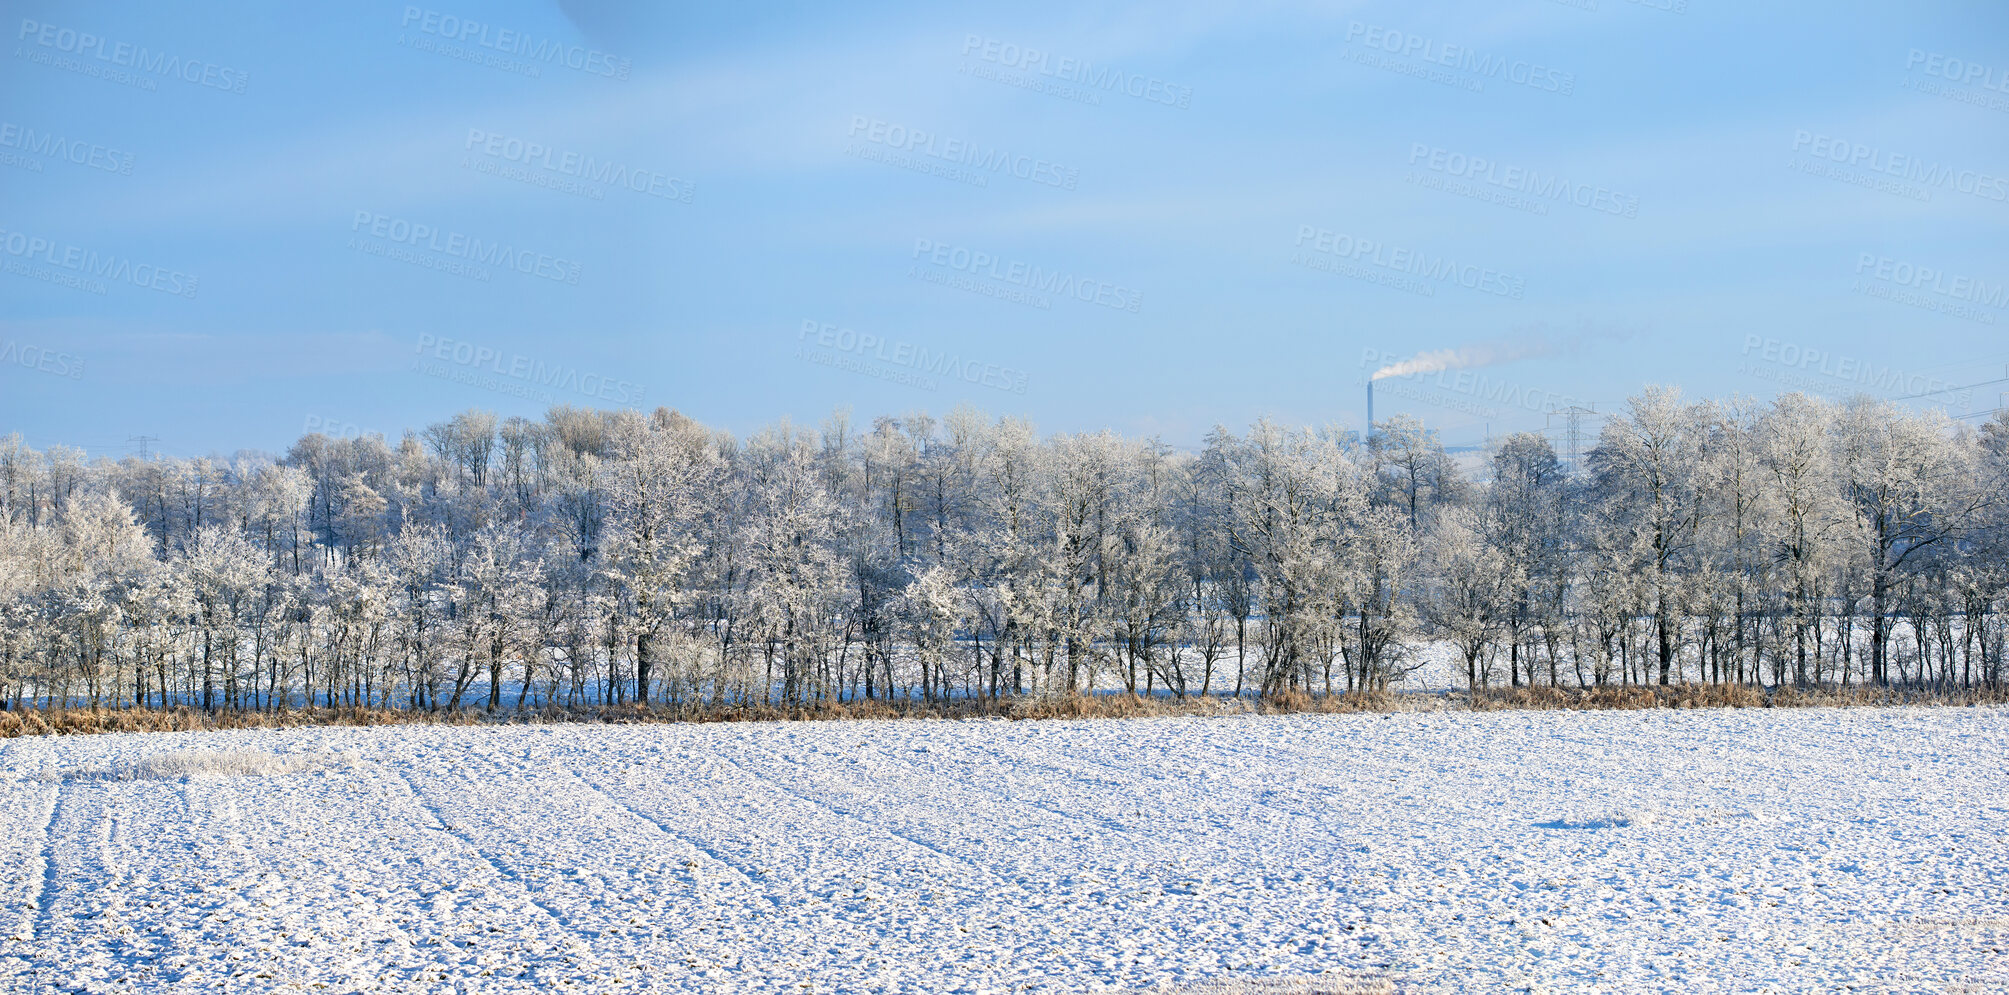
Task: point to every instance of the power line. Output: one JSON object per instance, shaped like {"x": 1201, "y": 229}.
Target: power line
{"x": 1949, "y": 390}
{"x": 2004, "y": 378}
{"x": 1572, "y": 429}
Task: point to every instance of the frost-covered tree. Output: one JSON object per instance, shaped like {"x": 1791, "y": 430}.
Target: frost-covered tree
{"x": 599, "y": 557}
{"x": 1649, "y": 464}
{"x": 1474, "y": 592}
{"x": 656, "y": 484}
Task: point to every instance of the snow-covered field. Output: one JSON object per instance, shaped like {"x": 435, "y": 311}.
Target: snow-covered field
{"x": 1791, "y": 851}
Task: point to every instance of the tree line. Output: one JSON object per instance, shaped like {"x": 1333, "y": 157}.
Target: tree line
{"x": 598, "y": 557}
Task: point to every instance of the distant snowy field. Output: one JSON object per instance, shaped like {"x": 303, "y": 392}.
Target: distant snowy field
{"x": 1733, "y": 851}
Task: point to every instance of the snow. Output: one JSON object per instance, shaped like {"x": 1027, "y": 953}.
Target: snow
{"x": 1709, "y": 851}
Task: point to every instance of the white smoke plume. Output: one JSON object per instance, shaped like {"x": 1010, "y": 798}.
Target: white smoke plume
{"x": 1533, "y": 344}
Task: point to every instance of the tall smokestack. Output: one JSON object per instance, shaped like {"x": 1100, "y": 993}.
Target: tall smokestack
{"x": 1364, "y": 436}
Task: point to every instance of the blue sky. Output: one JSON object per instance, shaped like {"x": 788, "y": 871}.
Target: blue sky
{"x": 221, "y": 226}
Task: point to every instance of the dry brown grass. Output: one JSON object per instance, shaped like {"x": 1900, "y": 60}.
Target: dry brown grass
{"x": 1123, "y": 706}
{"x": 1635, "y": 696}
{"x": 1027, "y": 708}
{"x": 77, "y": 721}
{"x": 1295, "y": 702}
